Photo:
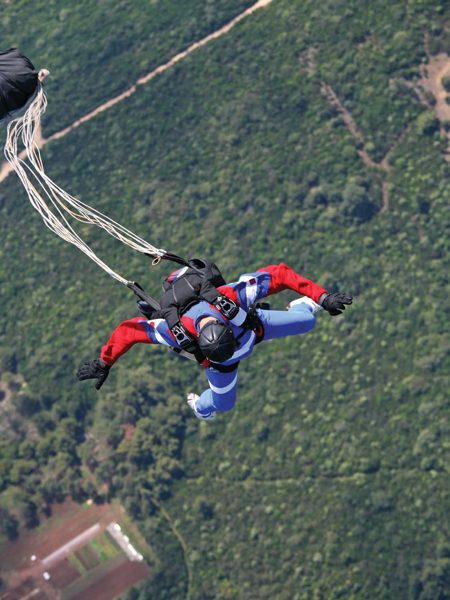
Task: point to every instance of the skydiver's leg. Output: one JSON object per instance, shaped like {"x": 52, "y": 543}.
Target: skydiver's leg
{"x": 221, "y": 394}
{"x": 278, "y": 323}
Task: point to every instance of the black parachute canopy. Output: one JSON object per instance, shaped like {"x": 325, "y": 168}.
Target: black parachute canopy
{"x": 18, "y": 81}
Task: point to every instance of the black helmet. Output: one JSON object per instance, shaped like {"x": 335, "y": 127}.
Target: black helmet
{"x": 216, "y": 341}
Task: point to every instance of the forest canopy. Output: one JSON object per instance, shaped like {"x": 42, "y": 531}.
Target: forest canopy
{"x": 328, "y": 479}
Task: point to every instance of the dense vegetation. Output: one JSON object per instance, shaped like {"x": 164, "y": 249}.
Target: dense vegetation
{"x": 97, "y": 50}
{"x": 329, "y": 478}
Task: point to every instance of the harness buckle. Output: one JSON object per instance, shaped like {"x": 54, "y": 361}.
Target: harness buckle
{"x": 183, "y": 338}
{"x": 226, "y": 307}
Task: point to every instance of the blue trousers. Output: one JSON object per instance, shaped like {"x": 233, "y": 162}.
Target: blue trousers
{"x": 221, "y": 394}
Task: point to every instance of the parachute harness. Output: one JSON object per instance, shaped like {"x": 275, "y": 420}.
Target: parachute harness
{"x": 53, "y": 203}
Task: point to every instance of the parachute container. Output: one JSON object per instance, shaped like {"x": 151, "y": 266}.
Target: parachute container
{"x": 18, "y": 81}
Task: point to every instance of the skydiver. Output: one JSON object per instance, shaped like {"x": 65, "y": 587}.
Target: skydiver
{"x": 223, "y": 342}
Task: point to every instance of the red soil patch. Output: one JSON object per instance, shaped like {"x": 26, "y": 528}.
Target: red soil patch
{"x": 63, "y": 574}
{"x": 115, "y": 582}
{"x": 41, "y": 595}
{"x": 129, "y": 431}
{"x": 21, "y": 590}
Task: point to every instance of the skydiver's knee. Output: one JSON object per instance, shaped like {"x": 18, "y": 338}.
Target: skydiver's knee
{"x": 226, "y": 407}
{"x": 224, "y": 403}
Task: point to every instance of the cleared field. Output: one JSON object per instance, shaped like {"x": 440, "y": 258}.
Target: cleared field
{"x": 105, "y": 547}
{"x": 20, "y": 591}
{"x": 115, "y": 582}
{"x": 76, "y": 563}
{"x": 63, "y": 574}
{"x": 100, "y": 573}
{"x": 68, "y": 520}
{"x": 74, "y": 544}
{"x": 82, "y": 558}
{"x": 34, "y": 594}
{"x": 87, "y": 557}
{"x": 40, "y": 595}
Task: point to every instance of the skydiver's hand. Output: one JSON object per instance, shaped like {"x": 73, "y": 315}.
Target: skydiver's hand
{"x": 94, "y": 369}
{"x": 334, "y": 303}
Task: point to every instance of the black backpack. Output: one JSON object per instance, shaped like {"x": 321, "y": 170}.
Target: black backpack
{"x": 199, "y": 281}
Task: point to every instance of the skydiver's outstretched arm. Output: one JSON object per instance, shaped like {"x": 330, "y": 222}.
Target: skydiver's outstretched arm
{"x": 122, "y": 339}
{"x": 252, "y": 287}
{"x": 255, "y": 286}
{"x": 283, "y": 277}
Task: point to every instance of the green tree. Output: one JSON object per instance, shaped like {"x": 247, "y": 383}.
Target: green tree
{"x": 27, "y": 449}
{"x": 357, "y": 203}
{"x": 28, "y": 510}
{"x": 9, "y": 525}
{"x": 427, "y": 123}
{"x": 20, "y": 469}
{"x": 86, "y": 453}
{"x": 8, "y": 360}
{"x": 434, "y": 582}
{"x": 26, "y": 404}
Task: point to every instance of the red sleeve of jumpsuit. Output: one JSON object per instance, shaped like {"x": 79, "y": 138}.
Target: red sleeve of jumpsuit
{"x": 123, "y": 338}
{"x": 285, "y": 278}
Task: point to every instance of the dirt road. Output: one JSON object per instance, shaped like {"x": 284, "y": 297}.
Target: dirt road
{"x": 432, "y": 73}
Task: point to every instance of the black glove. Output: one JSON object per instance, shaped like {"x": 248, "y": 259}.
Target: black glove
{"x": 94, "y": 369}
{"x": 334, "y": 303}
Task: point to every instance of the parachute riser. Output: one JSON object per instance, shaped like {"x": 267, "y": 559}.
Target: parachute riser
{"x": 142, "y": 294}
{"x": 156, "y": 258}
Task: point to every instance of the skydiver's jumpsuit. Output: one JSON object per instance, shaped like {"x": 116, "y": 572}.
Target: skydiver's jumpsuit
{"x": 250, "y": 288}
